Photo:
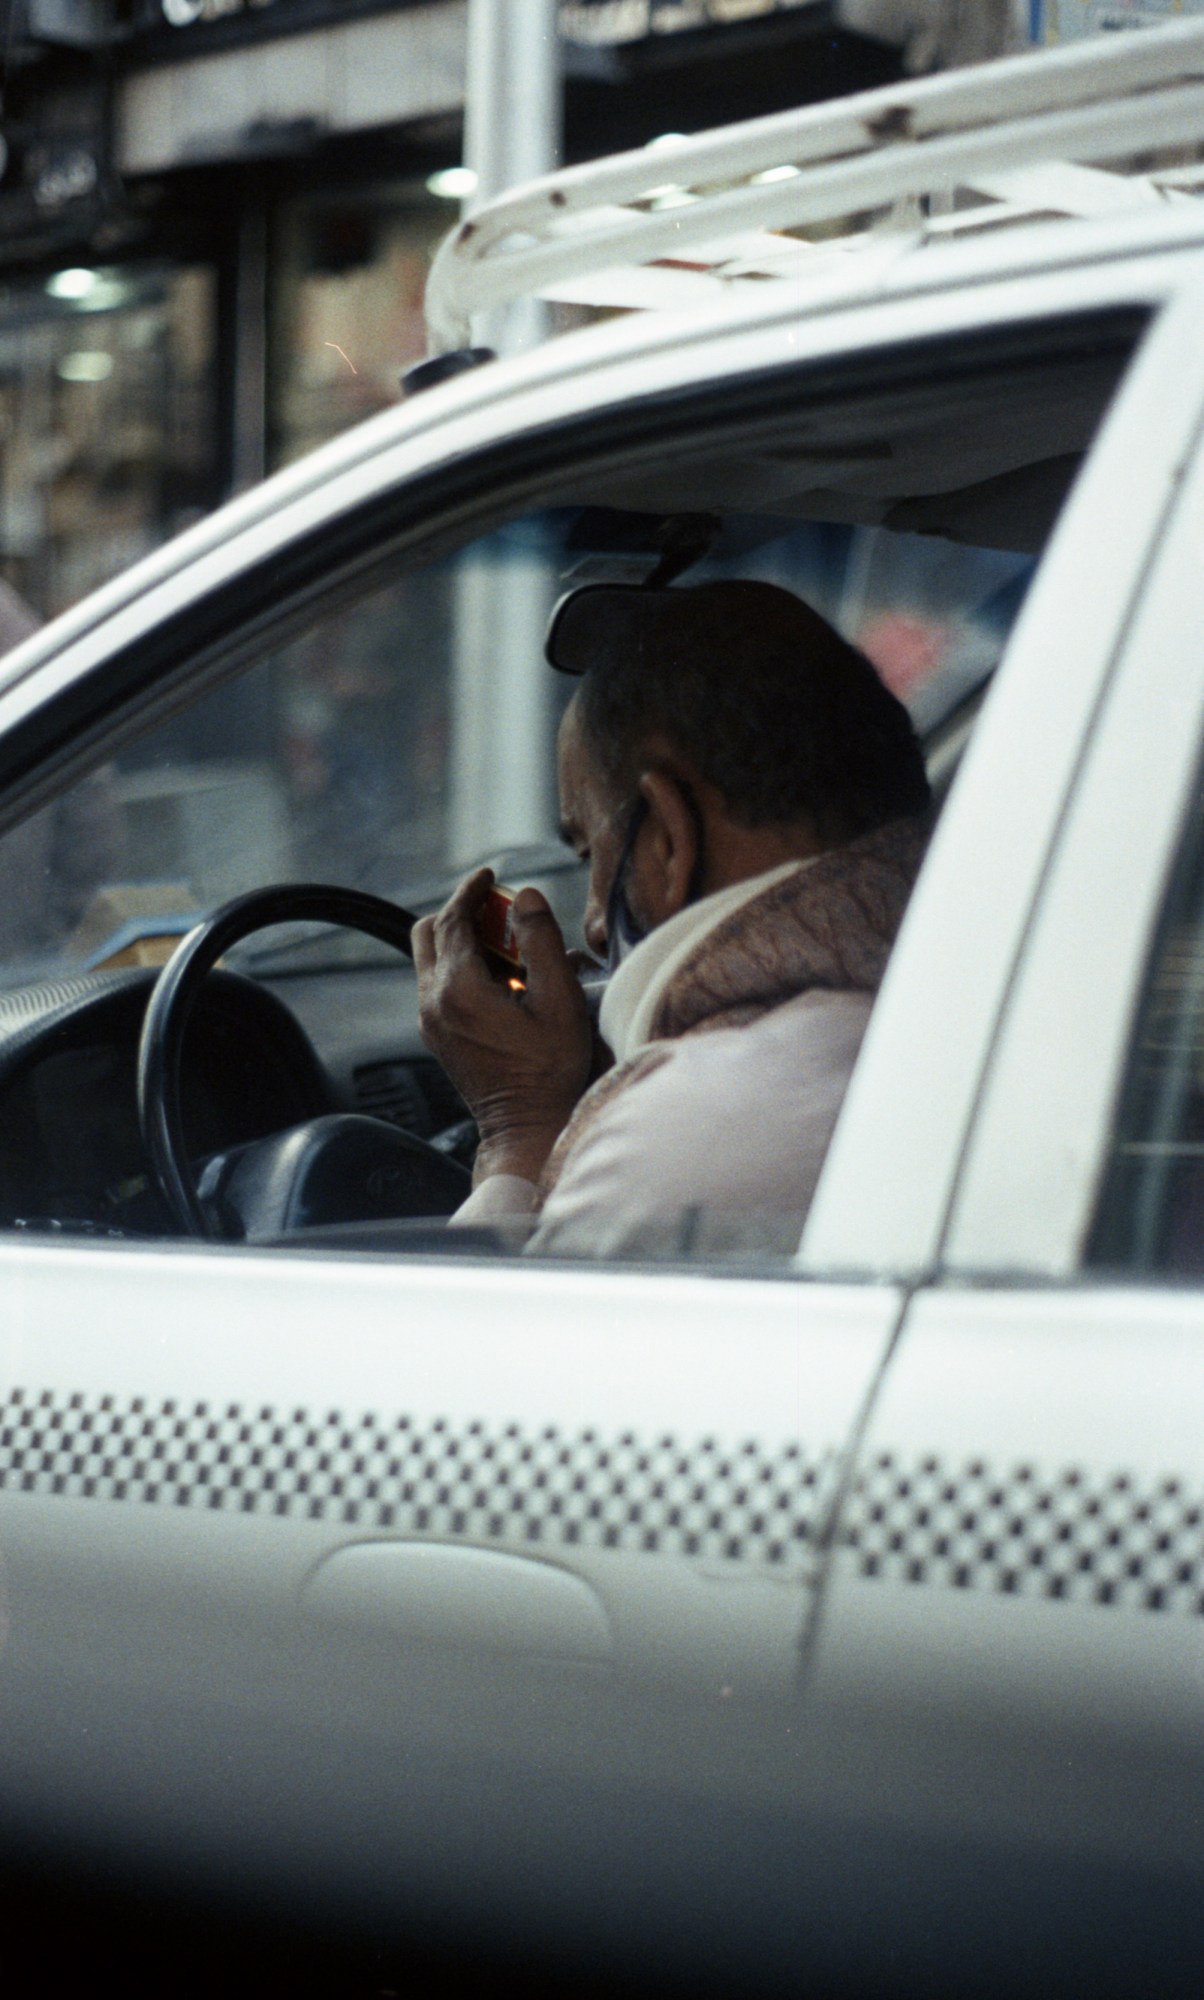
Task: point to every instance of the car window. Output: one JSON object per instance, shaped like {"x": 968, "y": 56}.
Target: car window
{"x": 407, "y": 733}
{"x": 1150, "y": 1218}
{"x": 330, "y": 760}
{"x": 398, "y": 741}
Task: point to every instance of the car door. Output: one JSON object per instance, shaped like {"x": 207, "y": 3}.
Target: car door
{"x": 474, "y": 1552}
{"x": 1012, "y": 1637}
{"x": 507, "y": 1549}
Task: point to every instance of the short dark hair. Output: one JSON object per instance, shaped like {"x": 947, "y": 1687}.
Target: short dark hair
{"x": 765, "y": 700}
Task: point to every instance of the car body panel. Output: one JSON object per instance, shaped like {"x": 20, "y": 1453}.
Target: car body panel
{"x": 1032, "y": 1174}
{"x": 673, "y": 1442}
{"x": 1020, "y": 1571}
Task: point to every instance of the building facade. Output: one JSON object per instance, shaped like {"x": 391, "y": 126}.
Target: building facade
{"x": 216, "y": 217}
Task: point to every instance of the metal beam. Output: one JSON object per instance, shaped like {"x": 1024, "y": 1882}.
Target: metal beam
{"x": 502, "y": 692}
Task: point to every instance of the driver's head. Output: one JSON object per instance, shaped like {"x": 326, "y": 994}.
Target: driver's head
{"x": 718, "y": 729}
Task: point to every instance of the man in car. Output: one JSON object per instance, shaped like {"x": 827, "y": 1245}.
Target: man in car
{"x": 752, "y": 805}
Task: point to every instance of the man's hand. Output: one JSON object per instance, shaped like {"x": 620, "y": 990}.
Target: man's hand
{"x": 520, "y": 1060}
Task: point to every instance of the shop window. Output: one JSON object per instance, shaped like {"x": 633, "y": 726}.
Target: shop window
{"x": 108, "y": 433}
{"x": 347, "y": 285}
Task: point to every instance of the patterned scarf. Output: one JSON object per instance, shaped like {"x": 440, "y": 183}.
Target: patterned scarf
{"x": 829, "y": 926}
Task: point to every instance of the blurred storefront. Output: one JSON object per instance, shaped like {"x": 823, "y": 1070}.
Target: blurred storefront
{"x": 216, "y": 219}
{"x": 107, "y": 419}
{"x": 215, "y": 228}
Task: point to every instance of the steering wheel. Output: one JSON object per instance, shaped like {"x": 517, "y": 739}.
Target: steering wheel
{"x": 275, "y": 1182}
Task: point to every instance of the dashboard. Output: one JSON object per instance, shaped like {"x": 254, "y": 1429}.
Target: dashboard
{"x": 71, "y": 1154}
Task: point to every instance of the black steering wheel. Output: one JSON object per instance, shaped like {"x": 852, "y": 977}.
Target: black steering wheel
{"x": 402, "y": 1173}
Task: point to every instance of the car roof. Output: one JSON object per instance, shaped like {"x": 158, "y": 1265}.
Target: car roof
{"x": 1154, "y": 237}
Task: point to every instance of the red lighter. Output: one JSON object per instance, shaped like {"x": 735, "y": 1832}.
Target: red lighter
{"x": 495, "y": 928}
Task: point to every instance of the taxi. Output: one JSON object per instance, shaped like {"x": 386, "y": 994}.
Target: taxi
{"x": 830, "y": 1616}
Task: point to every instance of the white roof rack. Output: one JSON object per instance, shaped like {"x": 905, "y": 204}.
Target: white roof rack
{"x": 970, "y": 148}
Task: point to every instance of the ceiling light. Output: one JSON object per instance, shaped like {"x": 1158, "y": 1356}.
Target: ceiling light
{"x": 73, "y": 284}
{"x": 782, "y": 173}
{"x": 666, "y": 141}
{"x": 89, "y": 365}
{"x": 453, "y": 183}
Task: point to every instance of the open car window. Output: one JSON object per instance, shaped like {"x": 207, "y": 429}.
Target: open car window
{"x": 408, "y": 733}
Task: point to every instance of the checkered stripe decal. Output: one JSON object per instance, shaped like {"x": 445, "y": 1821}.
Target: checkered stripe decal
{"x": 709, "y": 1500}
{"x": 1111, "y": 1540}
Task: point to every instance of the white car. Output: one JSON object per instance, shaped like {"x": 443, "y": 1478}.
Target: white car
{"x": 830, "y": 1621}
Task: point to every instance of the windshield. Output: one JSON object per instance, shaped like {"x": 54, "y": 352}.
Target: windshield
{"x": 404, "y": 738}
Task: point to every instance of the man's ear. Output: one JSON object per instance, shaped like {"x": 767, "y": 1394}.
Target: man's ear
{"x": 670, "y": 850}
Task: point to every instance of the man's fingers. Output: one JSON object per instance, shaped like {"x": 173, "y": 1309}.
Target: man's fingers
{"x": 422, "y": 945}
{"x": 464, "y": 904}
{"x": 457, "y": 943}
{"x": 520, "y": 1061}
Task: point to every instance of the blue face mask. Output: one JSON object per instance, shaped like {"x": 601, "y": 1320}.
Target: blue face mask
{"x": 623, "y": 928}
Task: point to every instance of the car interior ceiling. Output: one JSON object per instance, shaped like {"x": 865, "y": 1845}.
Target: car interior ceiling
{"x": 984, "y": 459}
{"x": 987, "y": 460}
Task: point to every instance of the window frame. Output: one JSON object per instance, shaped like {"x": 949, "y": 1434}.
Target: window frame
{"x": 260, "y": 571}
{"x": 1034, "y": 1161}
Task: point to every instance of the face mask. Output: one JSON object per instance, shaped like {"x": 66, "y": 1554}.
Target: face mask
{"x": 623, "y": 928}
